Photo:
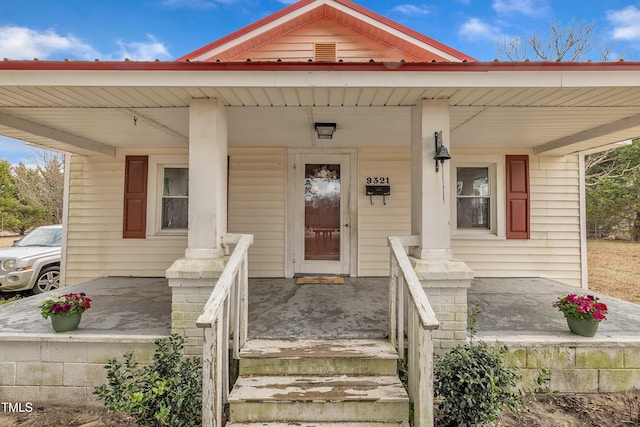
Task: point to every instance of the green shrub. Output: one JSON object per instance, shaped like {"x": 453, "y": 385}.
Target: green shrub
{"x": 473, "y": 382}
{"x": 166, "y": 393}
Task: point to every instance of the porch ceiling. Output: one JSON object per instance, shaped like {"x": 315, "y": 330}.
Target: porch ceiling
{"x": 99, "y": 119}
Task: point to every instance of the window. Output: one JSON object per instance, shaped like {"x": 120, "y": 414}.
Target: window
{"x": 156, "y": 196}
{"x": 175, "y": 198}
{"x": 478, "y": 197}
{"x": 168, "y": 207}
{"x": 473, "y": 198}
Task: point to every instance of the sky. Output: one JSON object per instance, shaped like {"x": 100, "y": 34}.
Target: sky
{"x": 168, "y": 29}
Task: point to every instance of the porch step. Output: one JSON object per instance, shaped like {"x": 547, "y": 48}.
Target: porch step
{"x": 314, "y": 424}
{"x": 318, "y": 357}
{"x": 314, "y": 398}
{"x": 318, "y": 383}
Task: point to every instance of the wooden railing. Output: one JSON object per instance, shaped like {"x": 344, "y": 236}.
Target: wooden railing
{"x": 225, "y": 312}
{"x": 419, "y": 321}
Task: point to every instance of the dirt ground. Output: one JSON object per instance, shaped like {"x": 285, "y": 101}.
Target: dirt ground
{"x": 614, "y": 269}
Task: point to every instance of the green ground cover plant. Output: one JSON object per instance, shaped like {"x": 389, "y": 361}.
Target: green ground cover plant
{"x": 166, "y": 393}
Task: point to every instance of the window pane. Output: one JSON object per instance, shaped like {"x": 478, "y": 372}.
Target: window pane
{"x": 473, "y": 182}
{"x": 473, "y": 212}
{"x": 174, "y": 213}
{"x": 176, "y": 182}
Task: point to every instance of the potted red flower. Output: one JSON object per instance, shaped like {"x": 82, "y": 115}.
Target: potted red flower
{"x": 65, "y": 311}
{"x": 583, "y": 313}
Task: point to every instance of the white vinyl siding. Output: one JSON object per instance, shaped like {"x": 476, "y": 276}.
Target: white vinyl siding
{"x": 257, "y": 177}
{"x": 553, "y": 251}
{"x": 95, "y": 247}
{"x": 378, "y": 221}
{"x": 257, "y": 205}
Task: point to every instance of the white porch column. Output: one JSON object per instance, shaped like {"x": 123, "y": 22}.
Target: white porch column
{"x": 445, "y": 280}
{"x": 430, "y": 200}
{"x": 193, "y": 277}
{"x": 207, "y": 178}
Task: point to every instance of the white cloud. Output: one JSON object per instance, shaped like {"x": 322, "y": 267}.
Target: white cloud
{"x": 476, "y": 29}
{"x": 15, "y": 151}
{"x": 626, "y": 23}
{"x": 412, "y": 9}
{"x": 25, "y": 43}
{"x": 524, "y": 7}
{"x": 143, "y": 51}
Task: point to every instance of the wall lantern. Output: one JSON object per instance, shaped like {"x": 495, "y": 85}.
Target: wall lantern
{"x": 325, "y": 130}
{"x": 442, "y": 153}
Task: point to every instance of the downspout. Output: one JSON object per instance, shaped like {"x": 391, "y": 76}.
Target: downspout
{"x": 584, "y": 270}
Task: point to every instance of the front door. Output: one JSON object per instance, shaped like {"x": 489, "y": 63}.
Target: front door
{"x": 321, "y": 229}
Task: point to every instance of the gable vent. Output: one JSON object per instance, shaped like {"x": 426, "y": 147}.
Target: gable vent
{"x": 325, "y": 52}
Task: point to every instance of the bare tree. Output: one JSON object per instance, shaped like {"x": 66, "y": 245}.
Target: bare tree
{"x": 42, "y": 185}
{"x": 568, "y": 43}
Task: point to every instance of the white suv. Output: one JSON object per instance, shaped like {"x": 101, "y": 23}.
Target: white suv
{"x": 33, "y": 262}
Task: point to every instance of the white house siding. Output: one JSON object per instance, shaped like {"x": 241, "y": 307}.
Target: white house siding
{"x": 257, "y": 205}
{"x": 95, "y": 247}
{"x": 257, "y": 178}
{"x": 378, "y": 221}
{"x": 554, "y": 248}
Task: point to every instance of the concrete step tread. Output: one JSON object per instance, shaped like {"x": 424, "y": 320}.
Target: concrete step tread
{"x": 319, "y": 424}
{"x": 318, "y": 389}
{"x": 310, "y": 348}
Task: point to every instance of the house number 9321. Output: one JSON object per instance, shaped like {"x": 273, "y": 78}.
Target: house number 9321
{"x": 377, "y": 180}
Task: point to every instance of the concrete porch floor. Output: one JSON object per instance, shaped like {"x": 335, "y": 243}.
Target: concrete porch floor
{"x": 512, "y": 307}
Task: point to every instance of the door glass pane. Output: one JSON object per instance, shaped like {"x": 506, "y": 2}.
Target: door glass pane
{"x": 322, "y": 212}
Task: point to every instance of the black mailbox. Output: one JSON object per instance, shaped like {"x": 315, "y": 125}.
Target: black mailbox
{"x": 378, "y": 190}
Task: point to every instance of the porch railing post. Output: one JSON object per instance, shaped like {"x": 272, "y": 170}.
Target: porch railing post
{"x": 211, "y": 387}
{"x": 423, "y": 402}
{"x": 393, "y": 302}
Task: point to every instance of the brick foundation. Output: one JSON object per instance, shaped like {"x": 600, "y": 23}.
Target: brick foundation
{"x": 191, "y": 281}
{"x": 446, "y": 283}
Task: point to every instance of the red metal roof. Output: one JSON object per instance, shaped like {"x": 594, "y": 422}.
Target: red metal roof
{"x": 38, "y": 65}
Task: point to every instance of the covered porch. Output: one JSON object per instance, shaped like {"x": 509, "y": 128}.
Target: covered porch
{"x": 129, "y": 314}
{"x": 509, "y": 308}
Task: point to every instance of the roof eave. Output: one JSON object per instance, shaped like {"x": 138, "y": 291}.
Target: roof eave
{"x": 316, "y": 66}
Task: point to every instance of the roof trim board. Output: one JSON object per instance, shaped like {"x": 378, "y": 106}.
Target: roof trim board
{"x": 56, "y": 134}
{"x": 598, "y": 131}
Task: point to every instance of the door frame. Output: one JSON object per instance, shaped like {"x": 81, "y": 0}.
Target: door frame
{"x": 294, "y": 155}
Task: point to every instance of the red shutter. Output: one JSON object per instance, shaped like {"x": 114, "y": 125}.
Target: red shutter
{"x": 135, "y": 197}
{"x": 517, "y": 197}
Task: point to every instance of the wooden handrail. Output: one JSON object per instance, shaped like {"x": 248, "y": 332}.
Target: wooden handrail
{"x": 418, "y": 323}
{"x": 425, "y": 311}
{"x": 225, "y": 312}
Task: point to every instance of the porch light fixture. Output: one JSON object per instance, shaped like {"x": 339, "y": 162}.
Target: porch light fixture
{"x": 325, "y": 130}
{"x": 442, "y": 153}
